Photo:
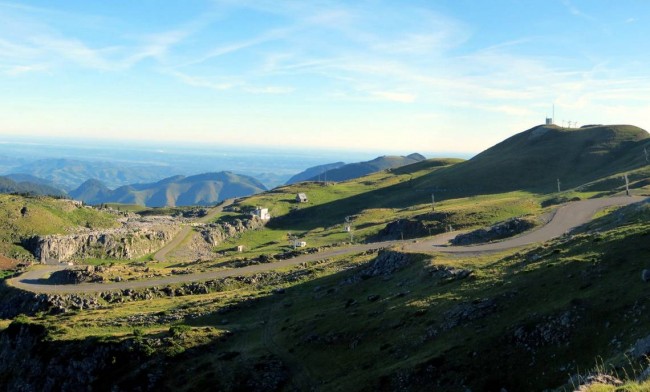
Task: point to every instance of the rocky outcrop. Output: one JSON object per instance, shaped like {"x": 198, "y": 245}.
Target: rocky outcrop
{"x": 14, "y": 302}
{"x": 76, "y": 276}
{"x": 134, "y": 239}
{"x": 445, "y": 274}
{"x": 506, "y": 229}
{"x": 385, "y": 264}
{"x": 31, "y": 361}
{"x": 591, "y": 382}
{"x": 553, "y": 330}
{"x": 216, "y": 233}
{"x": 414, "y": 227}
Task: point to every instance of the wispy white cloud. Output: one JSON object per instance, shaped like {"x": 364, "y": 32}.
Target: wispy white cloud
{"x": 18, "y": 70}
{"x": 575, "y": 10}
{"x": 201, "y": 82}
{"x": 229, "y": 83}
{"x": 41, "y": 34}
{"x": 273, "y": 90}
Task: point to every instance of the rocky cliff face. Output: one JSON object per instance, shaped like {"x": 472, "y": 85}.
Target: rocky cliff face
{"x": 136, "y": 238}
{"x": 216, "y": 233}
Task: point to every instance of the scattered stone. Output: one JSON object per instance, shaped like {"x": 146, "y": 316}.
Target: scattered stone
{"x": 506, "y": 229}
{"x": 468, "y": 311}
{"x": 373, "y": 297}
{"x": 645, "y": 275}
{"x": 586, "y": 383}
{"x": 448, "y": 274}
{"x": 553, "y": 330}
{"x": 350, "y": 302}
{"x": 385, "y": 264}
{"x": 641, "y": 348}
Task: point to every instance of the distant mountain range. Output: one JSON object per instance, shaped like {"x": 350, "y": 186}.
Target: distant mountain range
{"x": 314, "y": 172}
{"x": 202, "y": 189}
{"x": 29, "y": 185}
{"x": 69, "y": 173}
{"x": 340, "y": 172}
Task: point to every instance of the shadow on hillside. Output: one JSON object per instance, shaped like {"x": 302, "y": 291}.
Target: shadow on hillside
{"x": 377, "y": 329}
{"x": 533, "y": 173}
{"x": 398, "y": 196}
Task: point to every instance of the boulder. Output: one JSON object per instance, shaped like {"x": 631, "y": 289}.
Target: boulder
{"x": 645, "y": 275}
{"x": 506, "y": 229}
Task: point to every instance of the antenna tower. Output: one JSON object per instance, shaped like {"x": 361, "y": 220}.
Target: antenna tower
{"x": 553, "y": 116}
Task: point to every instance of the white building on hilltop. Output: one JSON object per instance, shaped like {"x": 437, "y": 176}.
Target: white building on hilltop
{"x": 262, "y": 213}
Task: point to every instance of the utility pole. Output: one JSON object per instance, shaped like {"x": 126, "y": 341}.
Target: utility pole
{"x": 627, "y": 185}
{"x": 558, "y": 186}
{"x": 433, "y": 202}
{"x": 292, "y": 240}
{"x": 348, "y": 227}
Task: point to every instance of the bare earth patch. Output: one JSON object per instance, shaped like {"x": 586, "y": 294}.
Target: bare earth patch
{"x": 7, "y": 263}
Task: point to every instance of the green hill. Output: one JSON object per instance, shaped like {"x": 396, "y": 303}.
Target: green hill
{"x": 202, "y": 189}
{"x": 530, "y": 161}
{"x": 24, "y": 216}
{"x": 535, "y": 159}
{"x": 24, "y": 185}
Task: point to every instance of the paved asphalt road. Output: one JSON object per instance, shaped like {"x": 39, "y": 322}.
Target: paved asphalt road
{"x": 566, "y": 218}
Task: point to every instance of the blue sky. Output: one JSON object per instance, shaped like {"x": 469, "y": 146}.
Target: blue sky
{"x": 449, "y": 76}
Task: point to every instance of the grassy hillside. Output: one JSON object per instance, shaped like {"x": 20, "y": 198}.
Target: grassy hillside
{"x": 313, "y": 172}
{"x": 20, "y": 185}
{"x": 418, "y": 331}
{"x": 22, "y": 217}
{"x": 522, "y": 320}
{"x": 533, "y": 160}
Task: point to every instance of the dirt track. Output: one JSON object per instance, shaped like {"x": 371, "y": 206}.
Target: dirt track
{"x": 186, "y": 230}
{"x": 566, "y": 218}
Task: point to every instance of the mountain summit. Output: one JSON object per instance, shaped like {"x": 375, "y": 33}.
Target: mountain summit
{"x": 536, "y": 158}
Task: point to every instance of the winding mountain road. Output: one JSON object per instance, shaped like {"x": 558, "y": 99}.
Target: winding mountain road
{"x": 565, "y": 218}
{"x": 186, "y": 230}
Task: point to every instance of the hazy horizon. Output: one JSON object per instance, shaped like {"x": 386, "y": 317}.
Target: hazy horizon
{"x": 272, "y": 166}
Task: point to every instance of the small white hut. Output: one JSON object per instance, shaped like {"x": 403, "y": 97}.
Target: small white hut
{"x": 262, "y": 213}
